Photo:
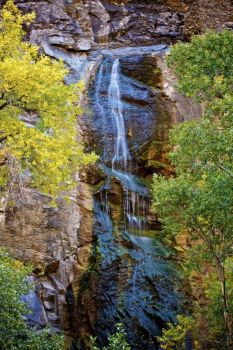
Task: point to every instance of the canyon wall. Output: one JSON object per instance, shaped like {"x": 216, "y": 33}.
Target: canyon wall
{"x": 60, "y": 240}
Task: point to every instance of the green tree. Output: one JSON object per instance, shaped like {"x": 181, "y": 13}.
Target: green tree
{"x": 14, "y": 332}
{"x": 199, "y": 200}
{"x": 31, "y": 82}
{"x": 116, "y": 341}
{"x": 174, "y": 336}
{"x": 209, "y": 312}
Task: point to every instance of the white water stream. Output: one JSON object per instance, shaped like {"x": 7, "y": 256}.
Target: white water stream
{"x": 136, "y": 198}
{"x": 114, "y": 97}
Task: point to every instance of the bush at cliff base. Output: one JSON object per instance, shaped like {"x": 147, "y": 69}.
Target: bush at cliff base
{"x": 15, "y": 334}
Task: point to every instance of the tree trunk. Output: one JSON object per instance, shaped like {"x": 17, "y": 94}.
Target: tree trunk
{"x": 227, "y": 318}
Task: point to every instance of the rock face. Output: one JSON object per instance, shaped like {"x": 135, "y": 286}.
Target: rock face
{"x": 73, "y": 25}
{"x": 184, "y": 108}
{"x": 57, "y": 240}
{"x": 81, "y": 24}
{"x": 61, "y": 241}
{"x": 204, "y": 14}
{"x": 158, "y": 22}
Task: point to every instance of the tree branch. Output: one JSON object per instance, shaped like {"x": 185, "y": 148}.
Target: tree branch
{"x": 225, "y": 170}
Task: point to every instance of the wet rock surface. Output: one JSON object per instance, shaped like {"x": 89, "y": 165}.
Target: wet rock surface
{"x": 140, "y": 99}
{"x": 130, "y": 279}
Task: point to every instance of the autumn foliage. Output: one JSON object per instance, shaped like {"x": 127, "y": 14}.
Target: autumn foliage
{"x": 33, "y": 83}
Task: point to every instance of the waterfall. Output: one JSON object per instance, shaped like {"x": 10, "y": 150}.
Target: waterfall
{"x": 134, "y": 285}
{"x": 114, "y": 97}
{"x": 134, "y": 202}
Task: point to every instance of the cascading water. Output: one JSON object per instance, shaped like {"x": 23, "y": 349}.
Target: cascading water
{"x": 136, "y": 201}
{"x": 133, "y": 280}
{"x": 114, "y": 97}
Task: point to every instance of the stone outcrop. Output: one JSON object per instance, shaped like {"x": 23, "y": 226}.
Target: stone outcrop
{"x": 184, "y": 108}
{"x": 72, "y": 25}
{"x": 58, "y": 242}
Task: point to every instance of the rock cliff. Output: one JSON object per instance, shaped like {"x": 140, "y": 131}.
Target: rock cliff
{"x": 60, "y": 240}
{"x": 81, "y": 24}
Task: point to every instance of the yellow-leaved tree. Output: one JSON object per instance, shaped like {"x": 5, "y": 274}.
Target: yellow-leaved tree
{"x": 34, "y": 83}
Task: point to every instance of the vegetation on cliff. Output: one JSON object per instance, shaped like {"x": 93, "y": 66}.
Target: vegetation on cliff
{"x": 32, "y": 87}
{"x": 116, "y": 341}
{"x": 14, "y": 331}
{"x": 198, "y": 202}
